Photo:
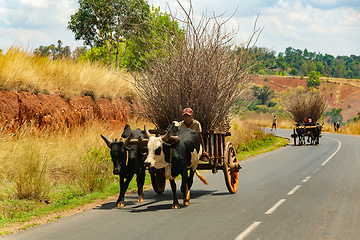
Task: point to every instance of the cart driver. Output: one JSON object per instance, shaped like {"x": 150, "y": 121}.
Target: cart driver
{"x": 190, "y": 122}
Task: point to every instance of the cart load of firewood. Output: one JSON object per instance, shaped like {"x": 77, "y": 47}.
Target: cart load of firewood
{"x": 201, "y": 67}
{"x": 302, "y": 103}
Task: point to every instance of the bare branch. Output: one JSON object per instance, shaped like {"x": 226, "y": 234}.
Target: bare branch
{"x": 202, "y": 67}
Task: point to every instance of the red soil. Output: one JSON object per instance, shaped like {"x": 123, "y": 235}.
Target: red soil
{"x": 55, "y": 112}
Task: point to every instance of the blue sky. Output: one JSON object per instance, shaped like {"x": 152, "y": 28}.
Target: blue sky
{"x": 325, "y": 26}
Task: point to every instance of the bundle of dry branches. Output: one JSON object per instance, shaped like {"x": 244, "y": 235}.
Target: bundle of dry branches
{"x": 305, "y": 104}
{"x": 202, "y": 68}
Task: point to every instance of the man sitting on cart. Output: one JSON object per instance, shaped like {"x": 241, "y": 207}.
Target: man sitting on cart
{"x": 190, "y": 122}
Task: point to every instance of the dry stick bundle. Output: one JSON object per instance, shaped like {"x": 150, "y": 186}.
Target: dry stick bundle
{"x": 201, "y": 67}
{"x": 304, "y": 103}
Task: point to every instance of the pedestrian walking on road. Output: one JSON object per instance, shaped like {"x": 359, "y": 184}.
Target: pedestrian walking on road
{"x": 274, "y": 123}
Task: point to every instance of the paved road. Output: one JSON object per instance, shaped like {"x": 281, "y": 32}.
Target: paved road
{"x": 296, "y": 192}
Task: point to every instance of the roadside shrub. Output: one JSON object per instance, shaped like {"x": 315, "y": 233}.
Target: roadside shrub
{"x": 30, "y": 176}
{"x": 96, "y": 171}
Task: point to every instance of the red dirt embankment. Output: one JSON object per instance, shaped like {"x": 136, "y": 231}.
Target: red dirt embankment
{"x": 17, "y": 108}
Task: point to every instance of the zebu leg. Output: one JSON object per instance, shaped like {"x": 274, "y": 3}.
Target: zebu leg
{"x": 140, "y": 179}
{"x": 186, "y": 196}
{"x": 191, "y": 178}
{"x": 123, "y": 187}
{"x": 120, "y": 200}
{"x": 185, "y": 189}
{"x": 175, "y": 204}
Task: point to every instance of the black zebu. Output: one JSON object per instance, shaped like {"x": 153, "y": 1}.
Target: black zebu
{"x": 300, "y": 131}
{"x": 177, "y": 158}
{"x": 315, "y": 133}
{"x": 128, "y": 161}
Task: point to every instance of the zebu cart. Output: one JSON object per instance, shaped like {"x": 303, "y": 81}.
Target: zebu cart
{"x": 222, "y": 157}
{"x": 301, "y": 131}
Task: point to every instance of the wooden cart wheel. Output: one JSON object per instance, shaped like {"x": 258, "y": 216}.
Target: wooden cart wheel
{"x": 230, "y": 168}
{"x": 158, "y": 179}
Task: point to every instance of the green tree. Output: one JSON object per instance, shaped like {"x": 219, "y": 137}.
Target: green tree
{"x": 281, "y": 63}
{"x": 334, "y": 115}
{"x": 294, "y": 72}
{"x": 304, "y": 69}
{"x": 148, "y": 42}
{"x": 109, "y": 23}
{"x": 313, "y": 79}
{"x": 320, "y": 68}
{"x": 263, "y": 93}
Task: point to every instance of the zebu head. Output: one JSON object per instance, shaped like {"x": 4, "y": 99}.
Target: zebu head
{"x": 118, "y": 152}
{"x": 155, "y": 157}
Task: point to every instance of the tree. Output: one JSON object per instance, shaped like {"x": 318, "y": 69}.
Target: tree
{"x": 320, "y": 68}
{"x": 334, "y": 115}
{"x": 108, "y": 23}
{"x": 294, "y": 72}
{"x": 53, "y": 52}
{"x": 304, "y": 69}
{"x": 281, "y": 63}
{"x": 145, "y": 43}
{"x": 263, "y": 93}
{"x": 313, "y": 79}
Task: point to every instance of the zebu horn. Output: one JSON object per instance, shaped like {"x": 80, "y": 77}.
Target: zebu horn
{"x": 127, "y": 141}
{"x": 107, "y": 141}
{"x": 166, "y": 136}
{"x": 147, "y": 134}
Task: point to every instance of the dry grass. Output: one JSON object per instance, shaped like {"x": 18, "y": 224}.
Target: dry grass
{"x": 350, "y": 128}
{"x": 32, "y": 157}
{"x": 21, "y": 71}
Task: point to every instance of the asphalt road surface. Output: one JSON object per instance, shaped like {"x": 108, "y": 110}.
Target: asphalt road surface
{"x": 295, "y": 192}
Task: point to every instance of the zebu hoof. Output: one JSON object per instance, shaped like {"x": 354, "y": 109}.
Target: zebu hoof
{"x": 140, "y": 200}
{"x": 175, "y": 206}
{"x": 120, "y": 205}
{"x": 187, "y": 199}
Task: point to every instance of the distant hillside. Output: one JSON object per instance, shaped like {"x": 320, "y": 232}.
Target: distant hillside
{"x": 340, "y": 93}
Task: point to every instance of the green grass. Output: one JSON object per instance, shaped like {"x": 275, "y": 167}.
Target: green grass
{"x": 15, "y": 210}
{"x": 256, "y": 147}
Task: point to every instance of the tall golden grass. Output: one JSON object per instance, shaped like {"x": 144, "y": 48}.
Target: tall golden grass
{"x": 20, "y": 70}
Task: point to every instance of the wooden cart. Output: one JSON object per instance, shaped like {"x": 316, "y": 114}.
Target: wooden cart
{"x": 222, "y": 156}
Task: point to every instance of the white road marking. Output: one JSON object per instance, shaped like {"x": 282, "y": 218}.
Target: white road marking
{"x": 306, "y": 179}
{"x": 245, "y": 233}
{"x": 271, "y": 210}
{"x": 294, "y": 190}
{"x": 325, "y": 162}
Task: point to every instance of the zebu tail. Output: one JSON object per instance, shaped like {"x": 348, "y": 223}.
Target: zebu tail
{"x": 201, "y": 178}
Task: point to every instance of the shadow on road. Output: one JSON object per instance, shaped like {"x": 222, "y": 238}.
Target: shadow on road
{"x": 154, "y": 202}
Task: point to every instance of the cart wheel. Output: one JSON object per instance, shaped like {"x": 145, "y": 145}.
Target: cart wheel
{"x": 157, "y": 179}
{"x": 231, "y": 168}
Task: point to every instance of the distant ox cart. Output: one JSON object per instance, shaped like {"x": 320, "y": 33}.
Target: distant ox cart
{"x": 307, "y": 133}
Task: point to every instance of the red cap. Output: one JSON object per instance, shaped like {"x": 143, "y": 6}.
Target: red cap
{"x": 188, "y": 111}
